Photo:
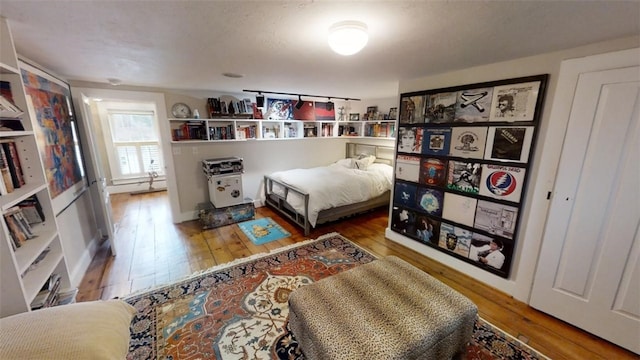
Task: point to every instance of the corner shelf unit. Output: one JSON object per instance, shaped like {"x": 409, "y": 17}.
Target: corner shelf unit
{"x": 20, "y": 278}
{"x": 240, "y": 129}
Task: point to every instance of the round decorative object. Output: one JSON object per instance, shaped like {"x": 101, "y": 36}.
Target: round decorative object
{"x": 181, "y": 110}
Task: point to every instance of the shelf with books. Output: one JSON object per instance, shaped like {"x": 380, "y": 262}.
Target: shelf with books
{"x": 21, "y": 278}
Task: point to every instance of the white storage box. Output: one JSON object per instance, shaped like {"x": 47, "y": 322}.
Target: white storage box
{"x": 225, "y": 190}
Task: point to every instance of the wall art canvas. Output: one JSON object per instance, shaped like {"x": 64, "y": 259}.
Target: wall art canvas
{"x": 412, "y": 110}
{"x": 502, "y": 182}
{"x": 430, "y": 201}
{"x": 279, "y": 109}
{"x": 497, "y": 257}
{"x": 496, "y": 218}
{"x": 468, "y": 142}
{"x": 464, "y": 176}
{"x": 404, "y": 221}
{"x": 405, "y": 195}
{"x": 324, "y": 111}
{"x": 515, "y": 102}
{"x": 455, "y": 239}
{"x": 441, "y": 108}
{"x": 509, "y": 143}
{"x": 56, "y": 135}
{"x": 474, "y": 105}
{"x": 436, "y": 141}
{"x": 410, "y": 140}
{"x": 408, "y": 168}
{"x": 427, "y": 230}
{"x": 459, "y": 208}
{"x": 433, "y": 172}
{"x": 306, "y": 112}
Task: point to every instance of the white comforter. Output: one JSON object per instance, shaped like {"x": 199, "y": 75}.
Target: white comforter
{"x": 333, "y": 185}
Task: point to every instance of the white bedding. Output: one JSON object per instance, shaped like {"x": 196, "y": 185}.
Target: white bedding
{"x": 333, "y": 185}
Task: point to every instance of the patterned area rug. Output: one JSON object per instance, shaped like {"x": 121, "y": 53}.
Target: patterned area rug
{"x": 263, "y": 230}
{"x": 239, "y": 310}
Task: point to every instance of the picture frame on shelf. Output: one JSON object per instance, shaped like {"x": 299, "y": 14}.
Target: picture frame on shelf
{"x": 354, "y": 117}
{"x": 372, "y": 112}
{"x": 393, "y": 113}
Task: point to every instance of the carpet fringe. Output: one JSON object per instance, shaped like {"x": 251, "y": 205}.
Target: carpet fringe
{"x": 233, "y": 263}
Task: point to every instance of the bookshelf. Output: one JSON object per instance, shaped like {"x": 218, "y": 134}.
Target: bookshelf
{"x": 26, "y": 269}
{"x": 241, "y": 129}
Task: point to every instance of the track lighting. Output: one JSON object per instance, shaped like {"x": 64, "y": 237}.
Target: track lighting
{"x": 260, "y": 98}
{"x": 330, "y": 104}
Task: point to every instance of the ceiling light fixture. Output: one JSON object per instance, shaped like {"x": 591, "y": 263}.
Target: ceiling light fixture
{"x": 260, "y": 97}
{"x": 114, "y": 81}
{"x": 348, "y": 37}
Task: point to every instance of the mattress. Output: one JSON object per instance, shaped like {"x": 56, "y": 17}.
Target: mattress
{"x": 332, "y": 186}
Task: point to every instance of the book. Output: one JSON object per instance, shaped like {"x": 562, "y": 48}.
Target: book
{"x": 15, "y": 169}
{"x": 6, "y": 183}
{"x": 15, "y": 230}
{"x": 32, "y": 210}
{"x": 11, "y": 124}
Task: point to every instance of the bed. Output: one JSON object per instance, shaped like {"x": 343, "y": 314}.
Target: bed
{"x": 309, "y": 197}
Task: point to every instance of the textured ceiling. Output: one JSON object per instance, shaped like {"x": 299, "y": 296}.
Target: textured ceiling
{"x": 281, "y": 45}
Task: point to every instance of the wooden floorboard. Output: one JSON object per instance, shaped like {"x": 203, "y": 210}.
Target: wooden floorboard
{"x": 153, "y": 251}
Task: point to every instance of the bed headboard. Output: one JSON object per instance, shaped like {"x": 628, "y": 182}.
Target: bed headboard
{"x": 383, "y": 154}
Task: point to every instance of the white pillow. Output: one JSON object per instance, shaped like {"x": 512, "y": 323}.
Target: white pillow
{"x": 363, "y": 161}
{"x": 348, "y": 163}
{"x": 85, "y": 330}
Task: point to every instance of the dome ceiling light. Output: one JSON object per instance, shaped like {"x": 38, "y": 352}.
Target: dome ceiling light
{"x": 348, "y": 37}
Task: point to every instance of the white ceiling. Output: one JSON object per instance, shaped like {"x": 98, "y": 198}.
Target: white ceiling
{"x": 281, "y": 45}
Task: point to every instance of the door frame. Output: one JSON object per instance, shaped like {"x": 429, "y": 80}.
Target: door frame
{"x": 163, "y": 125}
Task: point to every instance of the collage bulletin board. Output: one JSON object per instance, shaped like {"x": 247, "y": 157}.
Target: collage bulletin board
{"x": 462, "y": 165}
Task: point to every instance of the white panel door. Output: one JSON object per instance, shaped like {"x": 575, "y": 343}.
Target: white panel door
{"x": 97, "y": 180}
{"x": 589, "y": 267}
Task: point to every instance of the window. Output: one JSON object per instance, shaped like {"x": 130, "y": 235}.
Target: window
{"x": 134, "y": 137}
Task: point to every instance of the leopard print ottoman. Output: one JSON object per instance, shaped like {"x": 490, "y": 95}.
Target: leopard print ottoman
{"x": 386, "y": 309}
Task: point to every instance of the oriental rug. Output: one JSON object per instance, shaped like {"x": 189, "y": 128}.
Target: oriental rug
{"x": 263, "y": 230}
{"x": 239, "y": 310}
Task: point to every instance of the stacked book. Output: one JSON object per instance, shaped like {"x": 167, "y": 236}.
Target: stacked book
{"x": 10, "y": 114}
{"x": 48, "y": 295}
{"x": 19, "y": 228}
{"x": 12, "y": 176}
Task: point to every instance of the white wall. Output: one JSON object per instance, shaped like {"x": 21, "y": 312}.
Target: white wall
{"x": 542, "y": 176}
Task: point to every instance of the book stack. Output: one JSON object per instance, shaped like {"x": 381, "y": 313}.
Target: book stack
{"x": 19, "y": 228}
{"x": 12, "y": 176}
{"x": 10, "y": 114}
{"x": 48, "y": 295}
{"x": 217, "y": 107}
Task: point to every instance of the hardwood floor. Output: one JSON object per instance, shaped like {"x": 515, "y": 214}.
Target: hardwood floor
{"x": 153, "y": 251}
